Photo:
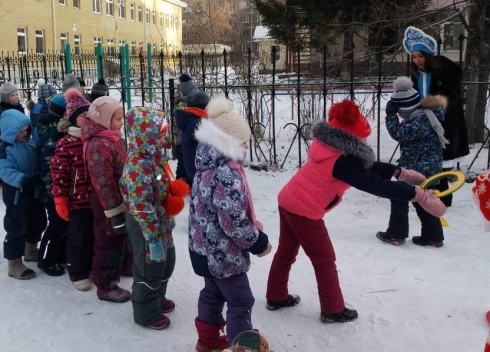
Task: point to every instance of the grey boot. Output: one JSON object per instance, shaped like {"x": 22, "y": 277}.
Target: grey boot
{"x": 18, "y": 270}
{"x": 31, "y": 252}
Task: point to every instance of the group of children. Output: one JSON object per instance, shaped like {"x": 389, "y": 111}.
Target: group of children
{"x": 117, "y": 205}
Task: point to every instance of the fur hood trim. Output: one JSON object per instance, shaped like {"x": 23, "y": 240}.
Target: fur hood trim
{"x": 434, "y": 101}
{"x": 63, "y": 125}
{"x": 344, "y": 142}
{"x": 224, "y": 143}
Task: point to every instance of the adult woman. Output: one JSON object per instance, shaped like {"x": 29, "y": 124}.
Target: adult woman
{"x": 437, "y": 75}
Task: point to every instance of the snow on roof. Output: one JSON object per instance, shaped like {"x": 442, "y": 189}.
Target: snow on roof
{"x": 261, "y": 33}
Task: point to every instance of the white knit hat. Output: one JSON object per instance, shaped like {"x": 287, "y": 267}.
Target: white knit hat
{"x": 221, "y": 114}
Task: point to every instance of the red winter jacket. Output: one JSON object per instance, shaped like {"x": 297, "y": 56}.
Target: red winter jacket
{"x": 70, "y": 178}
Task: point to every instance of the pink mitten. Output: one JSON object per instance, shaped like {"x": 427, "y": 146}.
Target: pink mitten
{"x": 411, "y": 176}
{"x": 429, "y": 201}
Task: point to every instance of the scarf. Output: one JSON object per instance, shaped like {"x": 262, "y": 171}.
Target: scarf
{"x": 196, "y": 111}
{"x": 75, "y": 131}
{"x": 250, "y": 210}
{"x": 111, "y": 135}
{"x": 435, "y": 123}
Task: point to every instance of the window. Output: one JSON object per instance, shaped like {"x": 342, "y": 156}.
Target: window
{"x": 245, "y": 19}
{"x": 39, "y": 41}
{"x": 244, "y": 5}
{"x": 134, "y": 49}
{"x": 63, "y": 41}
{"x": 122, "y": 42}
{"x": 62, "y": 2}
{"x": 171, "y": 21}
{"x": 176, "y": 22}
{"x": 166, "y": 20}
{"x": 161, "y": 19}
{"x": 277, "y": 55}
{"x": 154, "y": 16}
{"x": 109, "y": 7}
{"x": 21, "y": 40}
{"x": 77, "y": 40}
{"x": 96, "y": 6}
{"x": 132, "y": 12}
{"x": 147, "y": 15}
{"x": 244, "y": 47}
{"x": 450, "y": 33}
{"x": 97, "y": 40}
{"x": 246, "y": 33}
{"x": 76, "y": 4}
{"x": 121, "y": 8}
{"x": 110, "y": 49}
{"x": 140, "y": 14}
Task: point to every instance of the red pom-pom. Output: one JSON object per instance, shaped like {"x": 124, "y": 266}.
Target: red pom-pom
{"x": 174, "y": 205}
{"x": 179, "y": 188}
{"x": 346, "y": 112}
{"x": 72, "y": 93}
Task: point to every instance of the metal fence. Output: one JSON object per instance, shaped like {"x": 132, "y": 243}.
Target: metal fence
{"x": 279, "y": 107}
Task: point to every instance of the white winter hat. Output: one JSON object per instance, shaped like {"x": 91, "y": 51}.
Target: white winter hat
{"x": 221, "y": 114}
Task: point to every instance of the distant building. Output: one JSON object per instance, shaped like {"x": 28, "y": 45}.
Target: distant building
{"x": 269, "y": 51}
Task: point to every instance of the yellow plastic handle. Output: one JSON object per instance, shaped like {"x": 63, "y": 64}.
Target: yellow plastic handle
{"x": 457, "y": 185}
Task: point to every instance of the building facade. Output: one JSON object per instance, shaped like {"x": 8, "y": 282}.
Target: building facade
{"x": 39, "y": 26}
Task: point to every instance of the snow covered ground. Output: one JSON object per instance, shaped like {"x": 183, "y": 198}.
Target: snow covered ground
{"x": 409, "y": 298}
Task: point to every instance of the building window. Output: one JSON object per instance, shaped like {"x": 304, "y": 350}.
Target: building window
{"x": 96, "y": 6}
{"x": 176, "y": 22}
{"x": 122, "y": 42}
{"x": 140, "y": 14}
{"x": 63, "y": 41}
{"x": 77, "y": 41}
{"x": 153, "y": 14}
{"x": 109, "y": 7}
{"x": 62, "y": 2}
{"x": 161, "y": 19}
{"x": 132, "y": 12}
{"x": 246, "y": 33}
{"x": 147, "y": 15}
{"x": 171, "y": 21}
{"x": 121, "y": 8}
{"x": 244, "y": 5}
{"x": 166, "y": 20}
{"x": 97, "y": 40}
{"x": 110, "y": 49}
{"x": 244, "y": 47}
{"x": 450, "y": 33}
{"x": 76, "y": 4}
{"x": 134, "y": 49}
{"x": 39, "y": 41}
{"x": 245, "y": 19}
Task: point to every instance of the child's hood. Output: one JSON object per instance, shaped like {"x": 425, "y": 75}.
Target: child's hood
{"x": 143, "y": 127}
{"x": 11, "y": 123}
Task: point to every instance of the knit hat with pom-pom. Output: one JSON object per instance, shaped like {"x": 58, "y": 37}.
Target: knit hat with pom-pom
{"x": 346, "y": 115}
{"x": 405, "y": 97}
{"x": 99, "y": 89}
{"x": 221, "y": 114}
{"x": 102, "y": 109}
{"x": 186, "y": 84}
{"x": 75, "y": 105}
{"x": 44, "y": 91}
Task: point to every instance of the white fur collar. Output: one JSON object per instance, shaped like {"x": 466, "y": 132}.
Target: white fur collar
{"x": 229, "y": 146}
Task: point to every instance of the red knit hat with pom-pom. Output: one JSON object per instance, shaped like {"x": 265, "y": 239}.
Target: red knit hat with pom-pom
{"x": 75, "y": 105}
{"x": 346, "y": 115}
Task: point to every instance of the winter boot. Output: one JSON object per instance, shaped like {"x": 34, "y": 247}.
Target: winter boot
{"x": 51, "y": 270}
{"x": 343, "y": 317}
{"x": 161, "y": 323}
{"x": 291, "y": 301}
{"x": 18, "y": 270}
{"x": 168, "y": 306}
{"x": 209, "y": 337}
{"x": 31, "y": 252}
{"x": 388, "y": 238}
{"x": 82, "y": 285}
{"x": 419, "y": 241}
{"x": 117, "y": 294}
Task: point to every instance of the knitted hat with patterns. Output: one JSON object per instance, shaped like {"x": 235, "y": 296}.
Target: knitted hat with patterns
{"x": 221, "y": 114}
{"x": 6, "y": 90}
{"x": 44, "y": 91}
{"x": 102, "y": 109}
{"x": 405, "y": 97}
{"x": 75, "y": 105}
{"x": 70, "y": 81}
{"x": 99, "y": 89}
{"x": 186, "y": 84}
{"x": 347, "y": 116}
{"x": 57, "y": 105}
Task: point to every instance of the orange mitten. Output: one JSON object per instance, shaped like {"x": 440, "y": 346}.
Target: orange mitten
{"x": 61, "y": 204}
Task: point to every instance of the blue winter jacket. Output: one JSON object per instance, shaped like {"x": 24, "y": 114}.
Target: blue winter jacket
{"x": 17, "y": 159}
{"x": 39, "y": 109}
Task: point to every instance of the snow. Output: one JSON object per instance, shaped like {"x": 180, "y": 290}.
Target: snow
{"x": 409, "y": 298}
{"x": 261, "y": 33}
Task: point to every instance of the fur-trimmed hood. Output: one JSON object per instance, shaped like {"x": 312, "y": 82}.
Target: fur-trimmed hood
{"x": 342, "y": 141}
{"x": 434, "y": 102}
{"x": 225, "y": 144}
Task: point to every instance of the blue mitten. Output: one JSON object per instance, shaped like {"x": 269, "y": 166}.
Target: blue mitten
{"x": 157, "y": 252}
{"x": 391, "y": 108}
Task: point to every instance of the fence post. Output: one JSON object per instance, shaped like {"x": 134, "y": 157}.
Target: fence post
{"x": 127, "y": 73}
{"x": 273, "y": 103}
{"x": 171, "y": 87}
{"x": 249, "y": 95}
{"x": 439, "y": 45}
{"x": 298, "y": 92}
{"x": 163, "y": 78}
{"x": 142, "y": 79}
{"x": 180, "y": 61}
{"x": 100, "y": 63}
{"x": 150, "y": 74}
{"x": 380, "y": 72}
{"x": 68, "y": 64}
{"x": 352, "y": 47}
{"x": 226, "y": 72}
{"x": 324, "y": 83}
{"x": 203, "y": 71}
{"x": 123, "y": 95}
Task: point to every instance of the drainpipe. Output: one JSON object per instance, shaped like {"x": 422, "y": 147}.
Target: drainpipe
{"x": 54, "y": 24}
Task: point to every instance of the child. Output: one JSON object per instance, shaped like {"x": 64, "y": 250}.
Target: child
{"x": 72, "y": 191}
{"x": 339, "y": 158}
{"x": 9, "y": 98}
{"x": 421, "y": 138}
{"x": 223, "y": 229}
{"x": 188, "y": 119}
{"x": 52, "y": 243}
{"x": 25, "y": 218}
{"x": 105, "y": 156}
{"x": 99, "y": 89}
{"x": 44, "y": 92}
{"x": 146, "y": 190}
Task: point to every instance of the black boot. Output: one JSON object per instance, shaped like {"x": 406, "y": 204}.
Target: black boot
{"x": 291, "y": 301}
{"x": 388, "y": 238}
{"x": 51, "y": 270}
{"x": 343, "y": 317}
{"x": 419, "y": 241}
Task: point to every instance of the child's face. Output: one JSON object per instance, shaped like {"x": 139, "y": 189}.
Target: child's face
{"x": 22, "y": 136}
{"x": 81, "y": 117}
{"x": 117, "y": 119}
{"x": 14, "y": 98}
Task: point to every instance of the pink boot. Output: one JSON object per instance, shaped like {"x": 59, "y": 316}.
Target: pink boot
{"x": 117, "y": 294}
{"x": 168, "y": 306}
{"x": 161, "y": 323}
{"x": 209, "y": 337}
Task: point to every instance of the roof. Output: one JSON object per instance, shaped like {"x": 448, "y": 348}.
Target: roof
{"x": 261, "y": 33}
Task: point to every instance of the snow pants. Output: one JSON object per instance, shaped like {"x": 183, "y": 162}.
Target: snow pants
{"x": 80, "y": 244}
